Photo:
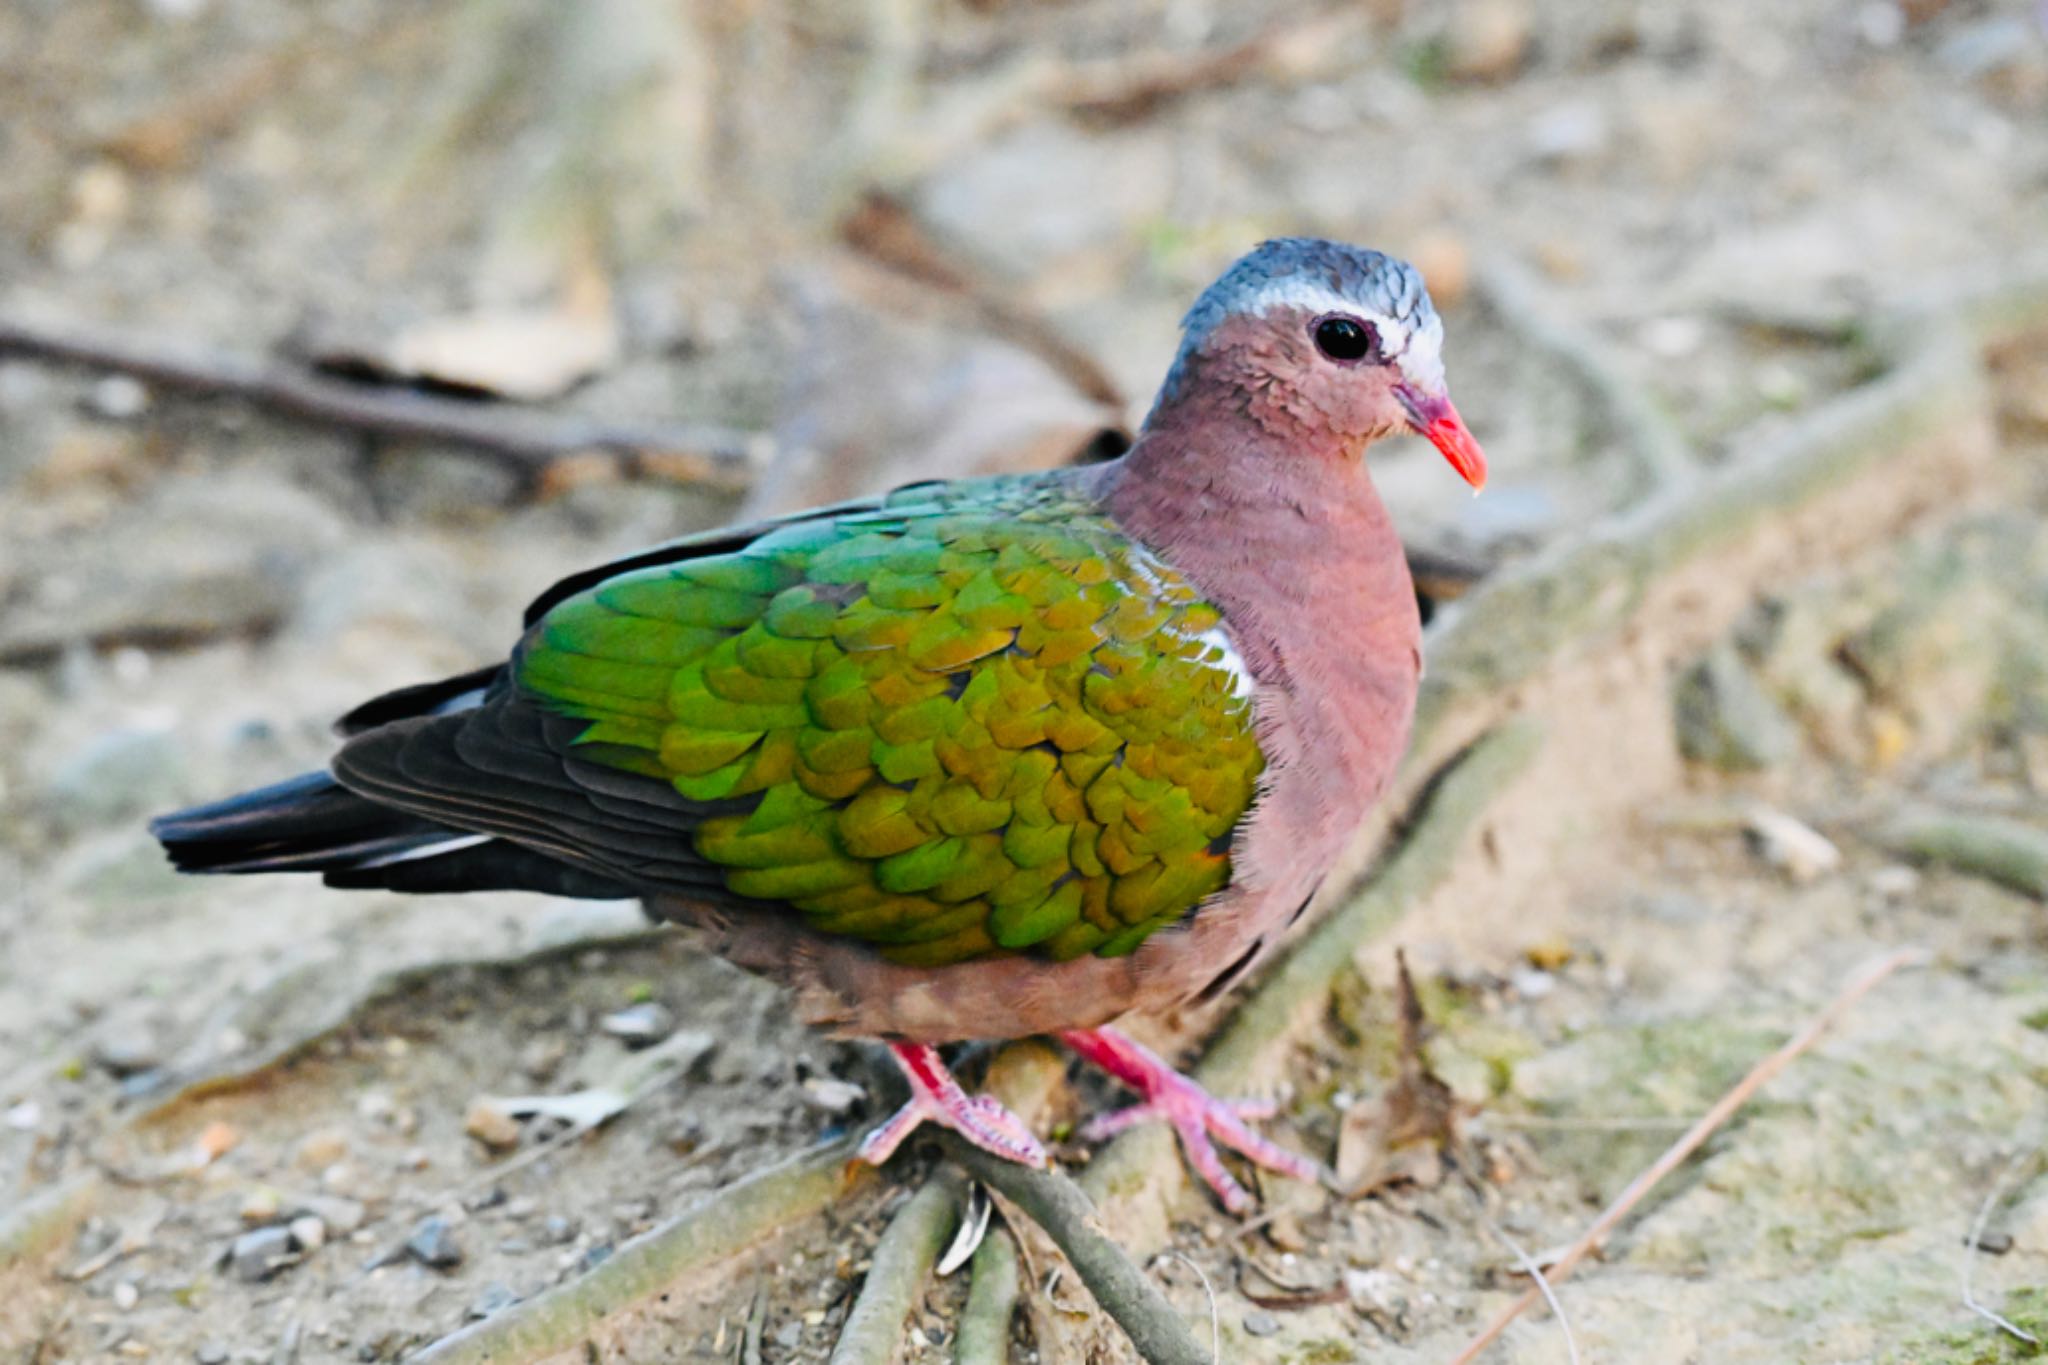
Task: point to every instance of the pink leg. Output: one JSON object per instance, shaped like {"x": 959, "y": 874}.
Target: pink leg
{"x": 1194, "y": 1113}
{"x": 936, "y": 1096}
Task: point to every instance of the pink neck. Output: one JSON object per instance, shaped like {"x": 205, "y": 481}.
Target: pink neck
{"x": 1294, "y": 545}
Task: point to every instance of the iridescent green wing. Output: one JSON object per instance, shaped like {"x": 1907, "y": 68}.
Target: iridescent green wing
{"x": 971, "y": 720}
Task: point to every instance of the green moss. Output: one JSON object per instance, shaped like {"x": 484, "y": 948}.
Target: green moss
{"x": 1327, "y": 1351}
{"x": 1980, "y": 1343}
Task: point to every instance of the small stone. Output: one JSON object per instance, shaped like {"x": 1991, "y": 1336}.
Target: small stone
{"x": 1797, "y": 849}
{"x": 126, "y": 1295}
{"x": 25, "y": 1117}
{"x": 1578, "y": 131}
{"x": 1285, "y": 1232}
{"x": 318, "y": 1151}
{"x": 432, "y": 1243}
{"x": 1260, "y": 1323}
{"x": 542, "y": 1057}
{"x": 1533, "y": 983}
{"x": 594, "y": 1257}
{"x": 211, "y": 1353}
{"x": 1894, "y": 881}
{"x": 641, "y": 1025}
{"x": 556, "y": 1230}
{"x": 496, "y": 1298}
{"x": 1488, "y": 39}
{"x": 258, "y": 1255}
{"x": 488, "y": 1122}
{"x": 118, "y": 398}
{"x": 1725, "y": 718}
{"x": 261, "y": 1206}
{"x": 789, "y": 1335}
{"x": 309, "y": 1232}
{"x": 830, "y": 1095}
{"x": 216, "y": 1140}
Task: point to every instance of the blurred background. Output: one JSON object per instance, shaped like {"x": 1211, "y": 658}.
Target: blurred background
{"x": 331, "y": 331}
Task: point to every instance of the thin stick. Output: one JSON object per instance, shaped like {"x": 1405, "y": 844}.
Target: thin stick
{"x": 1215, "y": 1319}
{"x": 1675, "y": 1155}
{"x": 899, "y": 1271}
{"x": 1970, "y": 1253}
{"x": 528, "y": 440}
{"x": 1125, "y": 1292}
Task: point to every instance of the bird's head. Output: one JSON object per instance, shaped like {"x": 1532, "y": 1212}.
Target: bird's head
{"x": 1328, "y": 345}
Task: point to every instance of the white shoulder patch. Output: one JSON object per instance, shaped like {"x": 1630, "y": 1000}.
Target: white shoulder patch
{"x": 1242, "y": 683}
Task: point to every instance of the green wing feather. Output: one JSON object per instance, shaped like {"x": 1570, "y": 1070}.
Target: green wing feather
{"x": 969, "y": 720}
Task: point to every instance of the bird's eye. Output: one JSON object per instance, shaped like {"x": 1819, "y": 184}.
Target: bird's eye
{"x": 1346, "y": 338}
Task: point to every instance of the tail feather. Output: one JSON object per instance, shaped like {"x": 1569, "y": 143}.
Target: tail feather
{"x": 308, "y": 823}
{"x": 312, "y": 823}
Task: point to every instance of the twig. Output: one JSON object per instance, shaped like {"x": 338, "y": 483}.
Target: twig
{"x": 713, "y": 1231}
{"x": 883, "y": 229}
{"x": 1208, "y": 1291}
{"x": 1676, "y": 1154}
{"x": 1991, "y": 1198}
{"x": 757, "y": 1320}
{"x": 984, "y": 1337}
{"x": 1124, "y": 1291}
{"x": 1530, "y": 1267}
{"x": 897, "y": 1275}
{"x": 528, "y": 441}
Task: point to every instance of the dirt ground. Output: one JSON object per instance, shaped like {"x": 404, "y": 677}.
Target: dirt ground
{"x": 662, "y": 192}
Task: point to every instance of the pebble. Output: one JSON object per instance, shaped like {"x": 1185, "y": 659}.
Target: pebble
{"x": 496, "y": 1298}
{"x": 1895, "y": 881}
{"x": 1795, "y": 848}
{"x": 261, "y": 1206}
{"x": 1488, "y": 39}
{"x": 641, "y": 1025}
{"x": 318, "y": 1151}
{"x": 260, "y": 1254}
{"x": 211, "y": 1353}
{"x": 1578, "y": 131}
{"x": 432, "y": 1243}
{"x": 557, "y": 1230}
{"x": 126, "y": 1295}
{"x": 542, "y": 1057}
{"x": 308, "y": 1232}
{"x": 489, "y": 1123}
{"x": 594, "y": 1257}
{"x": 830, "y": 1095}
{"x": 1260, "y": 1323}
{"x": 118, "y": 398}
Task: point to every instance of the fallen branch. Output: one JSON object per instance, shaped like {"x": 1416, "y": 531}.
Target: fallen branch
{"x": 1124, "y": 1291}
{"x": 899, "y": 1271}
{"x": 1972, "y": 1248}
{"x": 709, "y": 1233}
{"x": 984, "y": 1336}
{"x": 528, "y": 441}
{"x": 1676, "y": 1154}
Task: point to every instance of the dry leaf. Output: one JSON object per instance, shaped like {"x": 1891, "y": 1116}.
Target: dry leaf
{"x": 1399, "y": 1137}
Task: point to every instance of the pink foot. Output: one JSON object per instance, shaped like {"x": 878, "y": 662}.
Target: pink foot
{"x": 936, "y": 1096}
{"x": 1194, "y": 1113}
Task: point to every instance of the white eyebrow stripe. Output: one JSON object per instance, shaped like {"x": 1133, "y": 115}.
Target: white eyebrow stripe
{"x": 1417, "y": 350}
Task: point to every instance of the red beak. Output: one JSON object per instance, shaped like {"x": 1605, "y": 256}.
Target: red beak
{"x": 1433, "y": 417}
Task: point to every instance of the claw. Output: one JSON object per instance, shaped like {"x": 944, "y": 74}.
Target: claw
{"x": 1196, "y": 1115}
{"x": 936, "y": 1097}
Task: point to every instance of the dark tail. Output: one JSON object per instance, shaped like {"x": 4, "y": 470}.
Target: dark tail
{"x": 312, "y": 823}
